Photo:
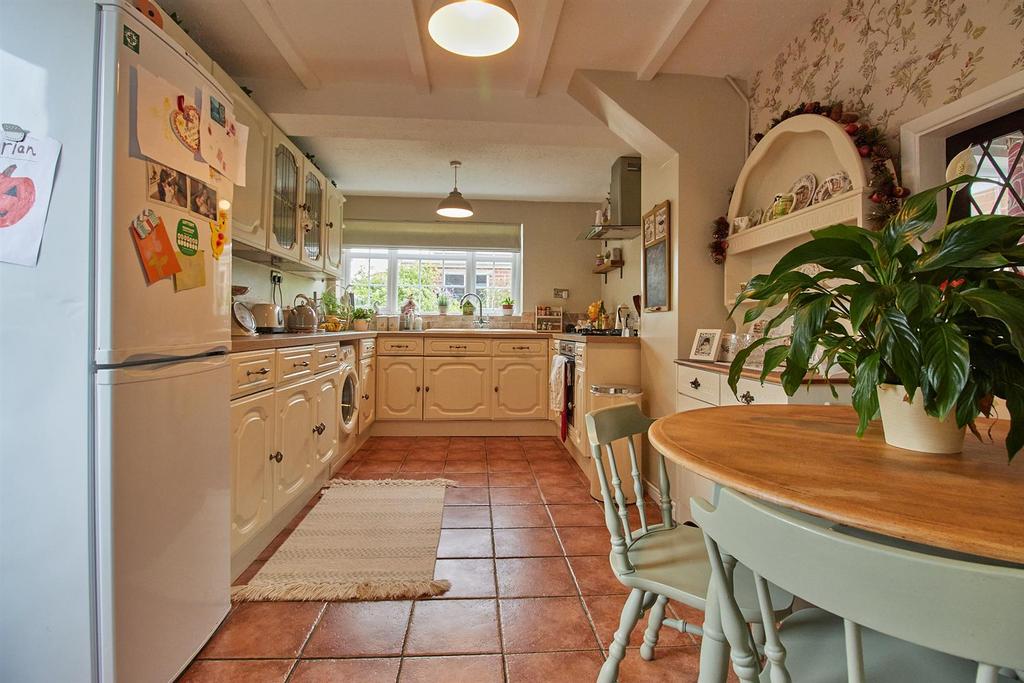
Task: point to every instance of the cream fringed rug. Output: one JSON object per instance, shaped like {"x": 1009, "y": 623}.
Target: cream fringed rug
{"x": 364, "y": 540}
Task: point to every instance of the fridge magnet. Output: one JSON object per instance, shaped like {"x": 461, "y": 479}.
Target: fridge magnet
{"x": 193, "y": 272}
{"x": 154, "y": 247}
{"x": 220, "y": 132}
{"x": 219, "y": 233}
{"x": 187, "y": 237}
{"x": 27, "y": 166}
{"x": 167, "y": 123}
{"x": 202, "y": 199}
{"x": 166, "y": 185}
{"x": 706, "y": 345}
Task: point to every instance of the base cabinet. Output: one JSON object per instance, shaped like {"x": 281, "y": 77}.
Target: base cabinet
{"x": 253, "y": 443}
{"x": 457, "y": 389}
{"x": 368, "y": 395}
{"x": 520, "y": 389}
{"x": 400, "y": 388}
{"x": 292, "y": 468}
{"x": 327, "y": 419}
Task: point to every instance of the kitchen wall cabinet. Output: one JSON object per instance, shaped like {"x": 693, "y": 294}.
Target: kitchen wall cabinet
{"x": 520, "y": 388}
{"x": 400, "y": 388}
{"x": 284, "y": 238}
{"x": 249, "y": 205}
{"x": 457, "y": 388}
{"x": 368, "y": 395}
{"x": 296, "y": 409}
{"x": 327, "y": 418}
{"x": 253, "y": 444}
{"x": 311, "y": 217}
{"x": 333, "y": 230}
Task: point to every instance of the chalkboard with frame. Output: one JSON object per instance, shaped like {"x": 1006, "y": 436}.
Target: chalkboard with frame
{"x": 657, "y": 261}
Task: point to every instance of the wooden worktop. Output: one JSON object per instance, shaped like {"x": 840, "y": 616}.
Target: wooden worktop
{"x": 809, "y": 458}
{"x": 285, "y": 339}
{"x": 596, "y": 339}
{"x": 754, "y": 373}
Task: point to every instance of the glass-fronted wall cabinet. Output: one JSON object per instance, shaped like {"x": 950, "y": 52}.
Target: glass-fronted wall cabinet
{"x": 285, "y": 238}
{"x": 312, "y": 217}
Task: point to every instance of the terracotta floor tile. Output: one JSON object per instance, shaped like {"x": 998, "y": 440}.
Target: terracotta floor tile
{"x": 498, "y": 441}
{"x": 538, "y": 542}
{"x": 651, "y": 512}
{"x": 670, "y": 665}
{"x": 462, "y": 466}
{"x": 465, "y": 669}
{"x": 534, "y": 577}
{"x": 398, "y": 441}
{"x": 516, "y": 455}
{"x": 466, "y": 517}
{"x": 359, "y": 475}
{"x": 428, "y": 466}
{"x": 467, "y": 479}
{"x": 274, "y": 544}
{"x": 466, "y": 496}
{"x": 468, "y": 452}
{"x": 508, "y": 465}
{"x": 461, "y": 543}
{"x": 594, "y": 575}
{"x": 506, "y": 479}
{"x": 434, "y": 453}
{"x": 558, "y": 495}
{"x": 536, "y": 441}
{"x": 515, "y": 495}
{"x": 577, "y": 514}
{"x": 374, "y": 467}
{"x": 544, "y": 667}
{"x": 469, "y": 578}
{"x": 457, "y": 442}
{"x": 418, "y": 476}
{"x": 585, "y": 540}
{"x": 518, "y": 516}
{"x": 545, "y": 625}
{"x": 237, "y": 671}
{"x": 250, "y": 571}
{"x": 554, "y": 467}
{"x": 453, "y": 627}
{"x": 537, "y": 455}
{"x": 243, "y": 635}
{"x": 605, "y": 610}
{"x": 385, "y": 456}
{"x": 359, "y": 629}
{"x": 336, "y": 670}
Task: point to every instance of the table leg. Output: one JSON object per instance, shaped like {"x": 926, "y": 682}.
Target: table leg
{"x": 714, "y": 650}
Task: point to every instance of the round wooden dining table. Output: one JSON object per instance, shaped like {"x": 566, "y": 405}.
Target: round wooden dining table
{"x": 808, "y": 458}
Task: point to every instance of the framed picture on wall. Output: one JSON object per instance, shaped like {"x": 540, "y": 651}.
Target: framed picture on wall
{"x": 656, "y": 265}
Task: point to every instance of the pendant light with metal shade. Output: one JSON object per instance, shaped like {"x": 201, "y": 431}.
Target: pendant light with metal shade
{"x": 455, "y": 205}
{"x": 474, "y": 28}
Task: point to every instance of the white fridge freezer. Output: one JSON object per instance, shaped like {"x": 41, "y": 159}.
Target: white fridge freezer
{"x": 161, "y": 389}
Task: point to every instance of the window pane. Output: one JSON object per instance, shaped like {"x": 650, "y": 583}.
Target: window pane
{"x": 494, "y": 278}
{"x": 368, "y": 278}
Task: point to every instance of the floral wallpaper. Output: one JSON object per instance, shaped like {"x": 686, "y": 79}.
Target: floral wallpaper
{"x": 892, "y": 60}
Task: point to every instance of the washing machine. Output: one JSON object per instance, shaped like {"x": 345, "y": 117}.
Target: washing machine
{"x": 349, "y": 400}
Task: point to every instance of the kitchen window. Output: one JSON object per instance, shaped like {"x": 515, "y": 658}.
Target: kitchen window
{"x": 384, "y": 278}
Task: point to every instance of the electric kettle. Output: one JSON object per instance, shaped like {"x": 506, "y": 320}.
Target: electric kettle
{"x": 269, "y": 317}
{"x": 301, "y": 317}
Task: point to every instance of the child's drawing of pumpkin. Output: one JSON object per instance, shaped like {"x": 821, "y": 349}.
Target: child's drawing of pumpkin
{"x": 17, "y": 195}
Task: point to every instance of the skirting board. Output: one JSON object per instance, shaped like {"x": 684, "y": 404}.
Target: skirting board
{"x": 464, "y": 428}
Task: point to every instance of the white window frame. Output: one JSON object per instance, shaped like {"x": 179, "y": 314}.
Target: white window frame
{"x": 394, "y": 254}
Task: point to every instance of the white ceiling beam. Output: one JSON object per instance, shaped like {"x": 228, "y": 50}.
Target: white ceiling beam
{"x": 689, "y": 10}
{"x": 414, "y": 47}
{"x": 546, "y": 30}
{"x": 268, "y": 20}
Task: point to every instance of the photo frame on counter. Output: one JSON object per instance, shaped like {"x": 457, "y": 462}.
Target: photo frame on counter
{"x": 706, "y": 345}
{"x": 656, "y": 265}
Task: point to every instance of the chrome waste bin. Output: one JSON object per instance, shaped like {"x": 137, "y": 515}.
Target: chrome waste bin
{"x": 603, "y": 396}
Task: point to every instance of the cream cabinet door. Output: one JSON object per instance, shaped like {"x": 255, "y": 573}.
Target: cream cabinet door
{"x": 328, "y": 418}
{"x": 253, "y": 422}
{"x": 578, "y": 431}
{"x": 400, "y": 388}
{"x": 457, "y": 388}
{"x": 285, "y": 185}
{"x": 521, "y": 389}
{"x": 296, "y": 408}
{"x": 249, "y": 203}
{"x": 368, "y": 391}
{"x": 311, "y": 215}
{"x": 333, "y": 231}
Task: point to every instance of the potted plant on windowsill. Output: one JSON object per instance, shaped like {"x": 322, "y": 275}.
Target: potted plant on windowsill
{"x": 928, "y": 336}
{"x": 442, "y": 302}
{"x": 361, "y": 319}
{"x": 507, "y": 304}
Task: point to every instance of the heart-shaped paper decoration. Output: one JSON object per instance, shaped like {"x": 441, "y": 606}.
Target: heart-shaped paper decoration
{"x": 185, "y": 124}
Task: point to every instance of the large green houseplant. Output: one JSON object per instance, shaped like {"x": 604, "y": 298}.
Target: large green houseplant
{"x": 942, "y": 314}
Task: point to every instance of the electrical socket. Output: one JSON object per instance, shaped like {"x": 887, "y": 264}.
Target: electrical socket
{"x": 276, "y": 277}
{"x": 561, "y": 293}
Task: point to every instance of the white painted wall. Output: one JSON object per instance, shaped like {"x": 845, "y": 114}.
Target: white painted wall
{"x": 257, "y": 278}
{"x": 46, "y": 536}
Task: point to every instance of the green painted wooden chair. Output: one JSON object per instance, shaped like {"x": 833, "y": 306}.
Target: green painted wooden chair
{"x": 884, "y": 613}
{"x": 659, "y": 561}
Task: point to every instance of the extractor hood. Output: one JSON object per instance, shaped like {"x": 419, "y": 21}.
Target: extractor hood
{"x": 625, "y": 204}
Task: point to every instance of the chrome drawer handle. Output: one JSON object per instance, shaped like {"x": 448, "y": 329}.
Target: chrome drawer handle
{"x": 277, "y": 457}
{"x": 261, "y": 371}
{"x": 695, "y": 383}
{"x": 303, "y": 364}
{"x": 747, "y": 397}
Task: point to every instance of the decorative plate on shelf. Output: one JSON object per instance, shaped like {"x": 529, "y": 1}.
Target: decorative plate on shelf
{"x": 832, "y": 186}
{"x": 755, "y": 216}
{"x": 803, "y": 190}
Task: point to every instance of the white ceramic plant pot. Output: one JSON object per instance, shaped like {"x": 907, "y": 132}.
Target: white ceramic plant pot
{"x": 442, "y": 310}
{"x": 907, "y": 425}
{"x": 360, "y": 325}
{"x": 506, "y": 310}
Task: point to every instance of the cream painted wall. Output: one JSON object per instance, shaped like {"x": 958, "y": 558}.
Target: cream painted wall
{"x": 257, "y": 278}
{"x": 621, "y": 290}
{"x": 552, "y": 257}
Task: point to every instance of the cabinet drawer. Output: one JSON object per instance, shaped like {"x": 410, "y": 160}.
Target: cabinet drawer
{"x": 328, "y": 356}
{"x": 251, "y": 372}
{"x": 367, "y": 347}
{"x": 702, "y": 385}
{"x": 295, "y": 363}
{"x": 400, "y": 346}
{"x": 751, "y": 392}
{"x": 457, "y": 347}
{"x": 519, "y": 347}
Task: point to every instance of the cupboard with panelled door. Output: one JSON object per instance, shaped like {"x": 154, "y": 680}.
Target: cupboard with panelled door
{"x": 253, "y": 443}
{"x": 400, "y": 387}
{"x": 334, "y": 214}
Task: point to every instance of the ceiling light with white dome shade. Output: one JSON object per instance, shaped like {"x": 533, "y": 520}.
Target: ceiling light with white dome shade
{"x": 455, "y": 205}
{"x": 474, "y": 28}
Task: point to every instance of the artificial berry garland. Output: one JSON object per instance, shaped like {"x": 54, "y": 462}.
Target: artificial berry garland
{"x": 872, "y": 145}
{"x": 719, "y": 244}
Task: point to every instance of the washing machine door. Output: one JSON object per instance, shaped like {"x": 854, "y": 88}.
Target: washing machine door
{"x": 349, "y": 399}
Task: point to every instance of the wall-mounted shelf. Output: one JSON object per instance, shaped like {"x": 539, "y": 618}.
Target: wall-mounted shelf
{"x": 545, "y": 322}
{"x": 608, "y": 267}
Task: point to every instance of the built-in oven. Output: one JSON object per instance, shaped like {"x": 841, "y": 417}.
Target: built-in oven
{"x": 567, "y": 349}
